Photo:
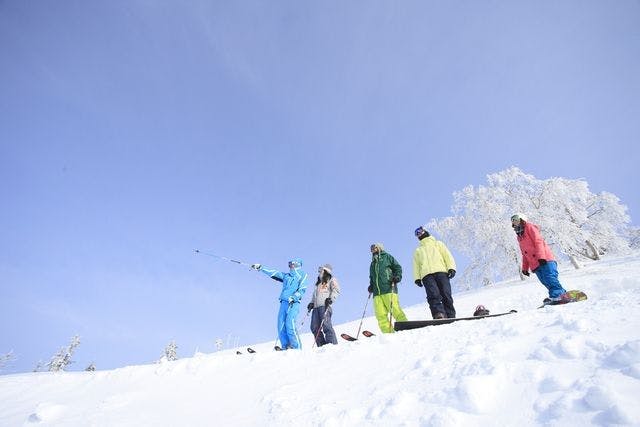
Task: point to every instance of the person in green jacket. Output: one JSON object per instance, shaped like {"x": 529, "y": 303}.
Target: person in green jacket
{"x": 433, "y": 266}
{"x": 384, "y": 275}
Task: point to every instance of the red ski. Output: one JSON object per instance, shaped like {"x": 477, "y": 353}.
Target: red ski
{"x": 348, "y": 337}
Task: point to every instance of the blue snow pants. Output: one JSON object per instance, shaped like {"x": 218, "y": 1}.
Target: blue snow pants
{"x": 548, "y": 275}
{"x": 327, "y": 335}
{"x": 287, "y": 325}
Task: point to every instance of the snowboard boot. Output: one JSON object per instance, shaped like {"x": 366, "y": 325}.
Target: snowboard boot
{"x": 560, "y": 299}
{"x": 439, "y": 316}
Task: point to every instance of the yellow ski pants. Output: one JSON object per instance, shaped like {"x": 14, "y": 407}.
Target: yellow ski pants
{"x": 382, "y": 305}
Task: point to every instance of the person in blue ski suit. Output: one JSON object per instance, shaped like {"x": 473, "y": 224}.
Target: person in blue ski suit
{"x": 293, "y": 288}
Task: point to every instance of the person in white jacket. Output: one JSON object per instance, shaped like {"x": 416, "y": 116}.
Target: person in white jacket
{"x": 324, "y": 295}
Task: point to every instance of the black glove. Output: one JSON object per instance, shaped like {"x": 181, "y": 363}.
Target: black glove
{"x": 310, "y": 306}
{"x": 451, "y": 273}
{"x": 256, "y": 266}
{"x": 370, "y": 289}
{"x": 327, "y": 302}
{"x": 525, "y": 272}
{"x": 542, "y": 261}
{"x": 395, "y": 279}
{"x": 418, "y": 282}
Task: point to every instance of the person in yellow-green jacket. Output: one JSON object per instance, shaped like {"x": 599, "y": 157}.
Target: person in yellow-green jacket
{"x": 433, "y": 266}
{"x": 384, "y": 275}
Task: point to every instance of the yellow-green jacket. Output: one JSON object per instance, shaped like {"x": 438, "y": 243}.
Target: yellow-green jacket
{"x": 432, "y": 256}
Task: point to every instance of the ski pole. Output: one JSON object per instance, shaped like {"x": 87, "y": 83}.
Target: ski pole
{"x": 305, "y": 318}
{"x": 198, "y": 251}
{"x": 315, "y": 341}
{"x": 363, "y": 313}
{"x": 391, "y": 312}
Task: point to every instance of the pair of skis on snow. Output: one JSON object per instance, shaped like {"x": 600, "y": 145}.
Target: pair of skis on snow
{"x": 366, "y": 333}
{"x": 250, "y": 350}
{"x": 347, "y": 337}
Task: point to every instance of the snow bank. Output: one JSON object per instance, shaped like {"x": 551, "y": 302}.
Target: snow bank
{"x": 577, "y": 364}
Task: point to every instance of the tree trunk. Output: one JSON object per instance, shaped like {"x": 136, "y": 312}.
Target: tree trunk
{"x": 594, "y": 250}
{"x": 574, "y": 261}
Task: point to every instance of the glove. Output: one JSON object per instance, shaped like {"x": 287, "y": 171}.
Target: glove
{"x": 395, "y": 279}
{"x": 418, "y": 282}
{"x": 525, "y": 272}
{"x": 256, "y": 266}
{"x": 370, "y": 289}
{"x": 327, "y": 302}
{"x": 310, "y": 306}
{"x": 451, "y": 273}
{"x": 542, "y": 261}
{"x": 291, "y": 300}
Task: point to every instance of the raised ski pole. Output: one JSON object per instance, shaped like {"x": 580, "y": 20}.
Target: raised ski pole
{"x": 363, "y": 313}
{"x": 198, "y": 251}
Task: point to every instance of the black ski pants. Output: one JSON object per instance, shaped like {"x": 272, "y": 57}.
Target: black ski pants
{"x": 439, "y": 296}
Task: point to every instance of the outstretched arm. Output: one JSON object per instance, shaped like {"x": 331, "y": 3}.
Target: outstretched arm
{"x": 273, "y": 273}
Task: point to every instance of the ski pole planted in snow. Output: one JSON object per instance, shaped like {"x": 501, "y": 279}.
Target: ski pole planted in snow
{"x": 363, "y": 313}
{"x": 315, "y": 339}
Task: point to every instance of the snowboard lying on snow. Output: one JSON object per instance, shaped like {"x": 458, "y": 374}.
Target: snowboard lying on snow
{"x": 413, "y": 324}
{"x": 574, "y": 296}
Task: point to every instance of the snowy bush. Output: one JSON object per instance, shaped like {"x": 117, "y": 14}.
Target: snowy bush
{"x": 574, "y": 221}
{"x": 6, "y": 359}
{"x": 170, "y": 352}
{"x": 62, "y": 359}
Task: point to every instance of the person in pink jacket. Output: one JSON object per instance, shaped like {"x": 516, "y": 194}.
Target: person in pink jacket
{"x": 537, "y": 257}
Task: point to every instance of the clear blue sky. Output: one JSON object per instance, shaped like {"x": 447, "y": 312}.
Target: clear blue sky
{"x": 132, "y": 132}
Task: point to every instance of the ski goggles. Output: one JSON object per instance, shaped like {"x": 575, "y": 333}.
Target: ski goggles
{"x": 294, "y": 264}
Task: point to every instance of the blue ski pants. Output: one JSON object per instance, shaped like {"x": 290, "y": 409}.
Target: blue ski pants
{"x": 287, "y": 325}
{"x": 327, "y": 335}
{"x": 548, "y": 275}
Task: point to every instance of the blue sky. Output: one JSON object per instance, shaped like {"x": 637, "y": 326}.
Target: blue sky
{"x": 132, "y": 132}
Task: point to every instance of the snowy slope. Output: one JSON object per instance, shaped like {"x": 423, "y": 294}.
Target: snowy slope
{"x": 570, "y": 365}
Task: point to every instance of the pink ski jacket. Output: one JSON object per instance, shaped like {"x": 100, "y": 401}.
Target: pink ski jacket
{"x": 533, "y": 247}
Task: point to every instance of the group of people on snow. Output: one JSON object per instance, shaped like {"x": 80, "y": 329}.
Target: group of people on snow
{"x": 433, "y": 268}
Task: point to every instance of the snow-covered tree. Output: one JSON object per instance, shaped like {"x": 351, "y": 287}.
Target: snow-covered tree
{"x": 634, "y": 237}
{"x": 170, "y": 352}
{"x": 62, "y": 359}
{"x": 6, "y": 359}
{"x": 576, "y": 222}
{"x": 39, "y": 366}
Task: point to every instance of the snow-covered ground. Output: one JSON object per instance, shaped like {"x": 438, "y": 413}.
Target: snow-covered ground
{"x": 572, "y": 365}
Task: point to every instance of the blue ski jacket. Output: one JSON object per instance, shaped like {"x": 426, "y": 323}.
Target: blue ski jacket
{"x": 293, "y": 283}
